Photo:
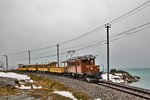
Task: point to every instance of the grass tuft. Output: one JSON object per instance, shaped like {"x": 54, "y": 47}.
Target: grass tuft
{"x": 6, "y": 91}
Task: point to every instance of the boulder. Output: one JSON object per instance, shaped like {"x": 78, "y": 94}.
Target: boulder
{"x": 124, "y": 75}
{"x": 7, "y": 82}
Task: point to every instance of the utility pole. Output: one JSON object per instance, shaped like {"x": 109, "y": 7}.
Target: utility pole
{"x": 107, "y": 26}
{"x": 6, "y": 62}
{"x": 29, "y": 56}
{"x": 57, "y": 54}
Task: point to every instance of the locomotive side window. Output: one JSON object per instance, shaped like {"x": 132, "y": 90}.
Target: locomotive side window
{"x": 64, "y": 64}
{"x": 78, "y": 63}
{"x": 71, "y": 64}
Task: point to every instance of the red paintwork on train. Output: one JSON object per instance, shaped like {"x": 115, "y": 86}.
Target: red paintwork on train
{"x": 82, "y": 64}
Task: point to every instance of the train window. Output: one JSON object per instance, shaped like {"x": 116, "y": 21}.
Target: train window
{"x": 71, "y": 64}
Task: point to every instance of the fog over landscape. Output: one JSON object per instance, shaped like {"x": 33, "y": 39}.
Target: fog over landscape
{"x": 33, "y": 24}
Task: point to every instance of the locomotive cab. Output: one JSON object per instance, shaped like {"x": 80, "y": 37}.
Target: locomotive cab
{"x": 88, "y": 65}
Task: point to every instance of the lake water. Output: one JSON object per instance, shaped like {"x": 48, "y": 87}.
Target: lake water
{"x": 144, "y": 74}
{"x": 144, "y": 82}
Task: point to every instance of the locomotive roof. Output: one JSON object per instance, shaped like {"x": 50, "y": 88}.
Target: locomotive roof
{"x": 81, "y": 58}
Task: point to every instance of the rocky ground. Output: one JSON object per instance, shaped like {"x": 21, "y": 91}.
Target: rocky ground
{"x": 93, "y": 90}
{"x": 8, "y": 90}
{"x": 7, "y": 82}
{"x": 124, "y": 75}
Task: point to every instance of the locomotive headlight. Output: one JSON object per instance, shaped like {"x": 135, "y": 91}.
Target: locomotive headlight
{"x": 91, "y": 68}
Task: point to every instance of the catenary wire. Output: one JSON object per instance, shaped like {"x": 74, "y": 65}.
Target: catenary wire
{"x": 101, "y": 42}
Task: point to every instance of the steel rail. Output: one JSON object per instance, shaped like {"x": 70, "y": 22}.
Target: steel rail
{"x": 127, "y": 89}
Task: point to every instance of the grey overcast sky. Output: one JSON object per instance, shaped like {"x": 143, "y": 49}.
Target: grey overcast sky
{"x": 33, "y": 24}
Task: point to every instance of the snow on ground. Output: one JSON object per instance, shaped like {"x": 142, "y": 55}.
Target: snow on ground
{"x": 66, "y": 94}
{"x": 23, "y": 87}
{"x": 118, "y": 74}
{"x": 36, "y": 87}
{"x": 14, "y": 75}
{"x": 98, "y": 99}
{"x": 113, "y": 78}
{"x": 26, "y": 79}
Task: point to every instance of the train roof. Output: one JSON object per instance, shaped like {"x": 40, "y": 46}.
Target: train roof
{"x": 37, "y": 64}
{"x": 84, "y": 57}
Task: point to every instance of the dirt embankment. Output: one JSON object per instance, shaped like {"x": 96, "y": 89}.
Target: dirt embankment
{"x": 8, "y": 91}
{"x": 7, "y": 86}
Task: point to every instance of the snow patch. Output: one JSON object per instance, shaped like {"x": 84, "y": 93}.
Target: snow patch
{"x": 36, "y": 87}
{"x": 14, "y": 75}
{"x": 28, "y": 87}
{"x": 118, "y": 74}
{"x": 66, "y": 94}
{"x": 113, "y": 78}
{"x": 23, "y": 87}
{"x": 23, "y": 80}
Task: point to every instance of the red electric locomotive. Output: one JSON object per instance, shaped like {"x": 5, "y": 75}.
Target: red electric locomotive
{"x": 82, "y": 65}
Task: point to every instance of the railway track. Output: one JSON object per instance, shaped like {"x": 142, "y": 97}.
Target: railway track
{"x": 127, "y": 89}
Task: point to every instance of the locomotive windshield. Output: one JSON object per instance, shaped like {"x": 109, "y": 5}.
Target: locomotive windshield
{"x": 86, "y": 61}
